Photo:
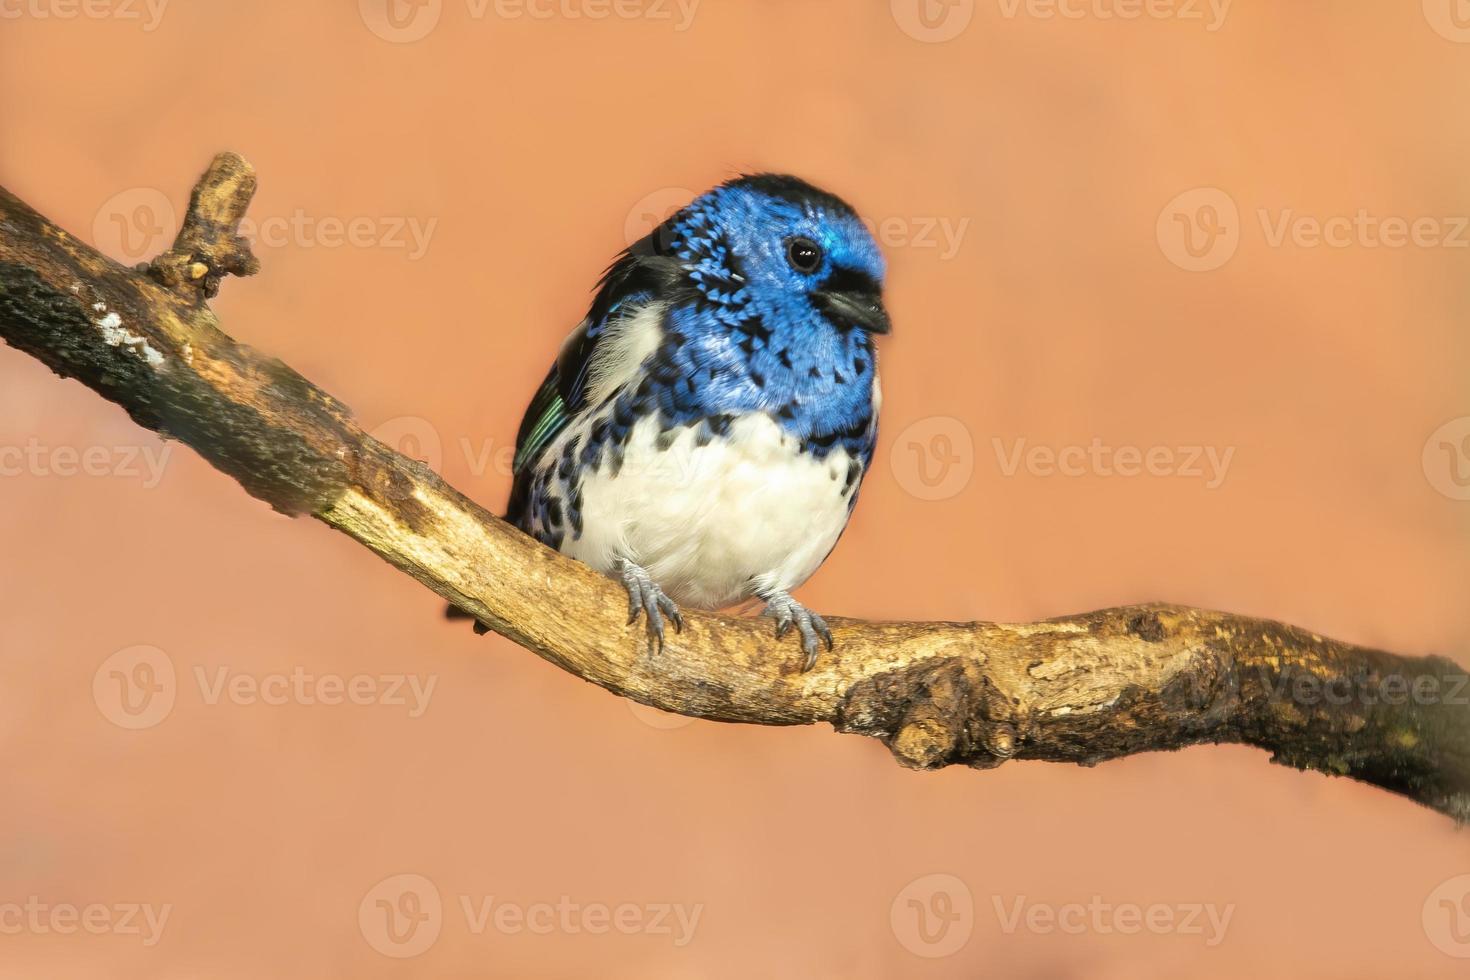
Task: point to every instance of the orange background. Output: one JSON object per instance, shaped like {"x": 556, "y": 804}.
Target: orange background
{"x": 534, "y": 146}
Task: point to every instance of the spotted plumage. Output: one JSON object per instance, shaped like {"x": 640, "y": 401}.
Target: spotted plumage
{"x": 703, "y": 433}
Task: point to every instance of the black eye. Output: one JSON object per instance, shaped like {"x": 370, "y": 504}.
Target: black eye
{"x": 804, "y": 255}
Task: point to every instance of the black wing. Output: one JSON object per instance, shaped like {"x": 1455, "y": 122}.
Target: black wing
{"x": 638, "y": 276}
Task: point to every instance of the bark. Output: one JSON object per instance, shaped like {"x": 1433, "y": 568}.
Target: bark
{"x": 1079, "y": 689}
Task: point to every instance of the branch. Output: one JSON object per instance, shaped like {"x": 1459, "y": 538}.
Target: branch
{"x": 1078, "y": 689}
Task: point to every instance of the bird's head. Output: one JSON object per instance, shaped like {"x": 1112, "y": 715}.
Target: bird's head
{"x": 776, "y": 246}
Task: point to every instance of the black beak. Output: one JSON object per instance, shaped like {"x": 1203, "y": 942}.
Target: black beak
{"x": 853, "y": 300}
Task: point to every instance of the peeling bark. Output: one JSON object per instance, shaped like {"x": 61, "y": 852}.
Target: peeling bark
{"x": 1079, "y": 689}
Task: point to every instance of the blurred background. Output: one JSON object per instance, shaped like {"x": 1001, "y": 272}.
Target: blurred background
{"x": 1180, "y": 292}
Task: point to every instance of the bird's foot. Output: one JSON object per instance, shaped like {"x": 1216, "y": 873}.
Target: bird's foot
{"x": 644, "y": 596}
{"x": 787, "y": 612}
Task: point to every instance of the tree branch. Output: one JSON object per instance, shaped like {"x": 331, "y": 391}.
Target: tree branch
{"x": 1078, "y": 689}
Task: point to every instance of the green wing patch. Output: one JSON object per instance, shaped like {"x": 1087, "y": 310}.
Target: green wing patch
{"x": 545, "y": 419}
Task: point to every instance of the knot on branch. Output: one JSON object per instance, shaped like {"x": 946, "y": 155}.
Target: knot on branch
{"x": 935, "y": 714}
{"x": 209, "y": 246}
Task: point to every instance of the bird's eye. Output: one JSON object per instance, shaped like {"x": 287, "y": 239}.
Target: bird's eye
{"x": 804, "y": 255}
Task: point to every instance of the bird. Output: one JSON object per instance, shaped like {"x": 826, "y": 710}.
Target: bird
{"x": 704, "y": 431}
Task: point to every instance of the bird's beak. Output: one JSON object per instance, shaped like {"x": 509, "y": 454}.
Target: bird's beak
{"x": 858, "y": 308}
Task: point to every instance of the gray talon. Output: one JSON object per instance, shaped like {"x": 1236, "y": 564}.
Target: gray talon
{"x": 787, "y": 612}
{"x": 644, "y": 596}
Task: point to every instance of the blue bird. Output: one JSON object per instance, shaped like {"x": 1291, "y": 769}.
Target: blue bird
{"x": 704, "y": 431}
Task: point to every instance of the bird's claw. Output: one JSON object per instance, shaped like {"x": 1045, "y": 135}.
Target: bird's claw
{"x": 787, "y": 612}
{"x": 644, "y": 596}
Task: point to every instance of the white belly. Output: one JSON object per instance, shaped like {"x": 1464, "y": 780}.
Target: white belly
{"x": 717, "y": 523}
